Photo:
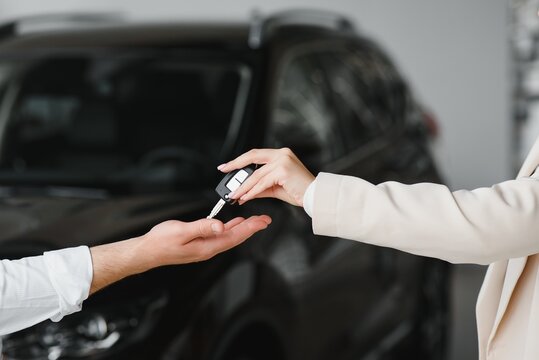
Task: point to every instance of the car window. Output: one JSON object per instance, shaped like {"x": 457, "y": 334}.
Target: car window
{"x": 304, "y": 117}
{"x": 135, "y": 121}
{"x": 367, "y": 90}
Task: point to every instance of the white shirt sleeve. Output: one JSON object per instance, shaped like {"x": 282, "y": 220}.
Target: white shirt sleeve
{"x": 308, "y": 199}
{"x": 37, "y": 288}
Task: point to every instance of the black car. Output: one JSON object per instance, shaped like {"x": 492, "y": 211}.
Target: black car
{"x": 107, "y": 128}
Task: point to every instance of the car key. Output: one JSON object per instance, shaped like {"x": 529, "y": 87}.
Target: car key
{"x": 230, "y": 182}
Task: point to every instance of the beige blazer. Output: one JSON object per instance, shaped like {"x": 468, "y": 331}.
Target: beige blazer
{"x": 498, "y": 225}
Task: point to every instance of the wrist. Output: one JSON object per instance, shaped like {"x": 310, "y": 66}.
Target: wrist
{"x": 138, "y": 255}
{"x": 115, "y": 261}
{"x": 305, "y": 186}
{"x": 308, "y": 198}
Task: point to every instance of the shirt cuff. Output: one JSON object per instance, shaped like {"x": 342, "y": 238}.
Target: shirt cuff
{"x": 70, "y": 272}
{"x": 308, "y": 198}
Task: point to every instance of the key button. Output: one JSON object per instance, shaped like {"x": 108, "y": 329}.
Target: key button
{"x": 233, "y": 184}
{"x": 241, "y": 176}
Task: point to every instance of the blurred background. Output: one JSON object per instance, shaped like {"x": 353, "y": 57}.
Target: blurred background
{"x": 456, "y": 56}
{"x": 472, "y": 65}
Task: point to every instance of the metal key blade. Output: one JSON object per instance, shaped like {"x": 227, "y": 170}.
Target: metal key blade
{"x": 216, "y": 209}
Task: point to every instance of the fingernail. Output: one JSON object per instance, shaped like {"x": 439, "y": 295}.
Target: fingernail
{"x": 231, "y": 195}
{"x": 221, "y": 167}
{"x": 215, "y": 227}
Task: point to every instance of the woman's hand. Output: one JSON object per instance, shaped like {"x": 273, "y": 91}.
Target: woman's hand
{"x": 282, "y": 176}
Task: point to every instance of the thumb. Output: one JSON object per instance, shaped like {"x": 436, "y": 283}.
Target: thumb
{"x": 204, "y": 228}
{"x": 275, "y": 192}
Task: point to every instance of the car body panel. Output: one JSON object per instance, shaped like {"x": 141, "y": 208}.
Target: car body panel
{"x": 285, "y": 293}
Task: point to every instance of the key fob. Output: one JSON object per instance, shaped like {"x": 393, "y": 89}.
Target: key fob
{"x": 232, "y": 181}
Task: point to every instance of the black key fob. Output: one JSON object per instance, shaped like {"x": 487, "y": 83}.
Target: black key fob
{"x": 232, "y": 181}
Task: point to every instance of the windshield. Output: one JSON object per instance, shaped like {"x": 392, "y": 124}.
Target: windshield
{"x": 135, "y": 122}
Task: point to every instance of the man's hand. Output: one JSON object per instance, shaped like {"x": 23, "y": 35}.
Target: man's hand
{"x": 169, "y": 243}
{"x": 283, "y": 176}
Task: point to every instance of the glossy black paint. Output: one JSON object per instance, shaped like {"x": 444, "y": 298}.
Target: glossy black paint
{"x": 285, "y": 294}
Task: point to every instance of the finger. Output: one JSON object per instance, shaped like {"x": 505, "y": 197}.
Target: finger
{"x": 268, "y": 193}
{"x": 267, "y": 183}
{"x": 203, "y": 228}
{"x": 275, "y": 192}
{"x": 252, "y": 180}
{"x": 266, "y": 218}
{"x": 233, "y": 223}
{"x": 236, "y": 235}
{"x": 254, "y": 156}
{"x": 275, "y": 176}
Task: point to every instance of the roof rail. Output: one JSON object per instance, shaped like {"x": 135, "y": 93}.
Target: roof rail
{"x": 47, "y": 22}
{"x": 261, "y": 28}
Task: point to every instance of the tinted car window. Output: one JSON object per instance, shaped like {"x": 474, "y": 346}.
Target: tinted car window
{"x": 304, "y": 117}
{"x": 132, "y": 122}
{"x": 367, "y": 90}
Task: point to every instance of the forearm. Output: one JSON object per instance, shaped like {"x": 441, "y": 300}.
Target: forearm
{"x": 479, "y": 226}
{"x": 115, "y": 261}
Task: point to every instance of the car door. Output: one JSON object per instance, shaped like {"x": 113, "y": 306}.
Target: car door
{"x": 342, "y": 281}
{"x": 374, "y": 110}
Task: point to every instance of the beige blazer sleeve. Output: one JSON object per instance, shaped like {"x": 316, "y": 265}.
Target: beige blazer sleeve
{"x": 479, "y": 226}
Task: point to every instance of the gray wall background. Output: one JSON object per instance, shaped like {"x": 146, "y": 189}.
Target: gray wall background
{"x": 454, "y": 53}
